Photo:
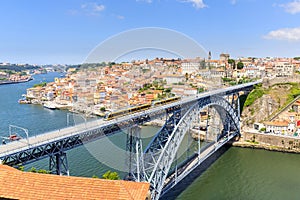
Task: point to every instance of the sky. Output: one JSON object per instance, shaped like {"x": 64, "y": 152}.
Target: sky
{"x": 66, "y": 31}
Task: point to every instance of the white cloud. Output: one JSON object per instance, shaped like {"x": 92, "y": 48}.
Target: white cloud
{"x": 98, "y": 8}
{"x": 292, "y": 7}
{"x": 289, "y": 34}
{"x": 92, "y": 8}
{"x": 196, "y": 3}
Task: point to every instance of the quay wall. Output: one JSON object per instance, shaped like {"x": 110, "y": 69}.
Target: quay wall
{"x": 269, "y": 142}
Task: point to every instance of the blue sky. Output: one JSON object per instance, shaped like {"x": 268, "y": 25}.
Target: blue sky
{"x": 65, "y": 31}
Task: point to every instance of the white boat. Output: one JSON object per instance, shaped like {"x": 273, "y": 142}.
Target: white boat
{"x": 49, "y": 105}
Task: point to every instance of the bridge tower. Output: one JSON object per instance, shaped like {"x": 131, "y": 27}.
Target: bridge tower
{"x": 134, "y": 152}
{"x": 58, "y": 164}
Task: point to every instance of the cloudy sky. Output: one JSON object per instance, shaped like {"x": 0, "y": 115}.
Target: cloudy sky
{"x": 65, "y": 31}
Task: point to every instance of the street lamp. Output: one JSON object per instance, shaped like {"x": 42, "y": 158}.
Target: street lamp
{"x": 18, "y": 127}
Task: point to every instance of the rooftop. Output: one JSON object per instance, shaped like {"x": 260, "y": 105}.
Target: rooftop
{"x": 16, "y": 184}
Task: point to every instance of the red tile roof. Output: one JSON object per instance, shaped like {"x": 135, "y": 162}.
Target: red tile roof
{"x": 26, "y": 185}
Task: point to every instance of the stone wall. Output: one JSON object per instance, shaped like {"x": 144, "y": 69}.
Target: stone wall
{"x": 267, "y": 82}
{"x": 272, "y": 140}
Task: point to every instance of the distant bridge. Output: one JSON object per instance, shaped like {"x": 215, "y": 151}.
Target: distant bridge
{"x": 155, "y": 162}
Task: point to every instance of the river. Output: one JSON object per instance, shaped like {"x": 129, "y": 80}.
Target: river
{"x": 237, "y": 174}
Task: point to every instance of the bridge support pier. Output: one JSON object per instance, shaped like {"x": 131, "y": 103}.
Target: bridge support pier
{"x": 58, "y": 164}
{"x": 135, "y": 154}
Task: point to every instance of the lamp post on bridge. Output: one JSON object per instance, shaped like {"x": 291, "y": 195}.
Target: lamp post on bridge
{"x": 18, "y": 127}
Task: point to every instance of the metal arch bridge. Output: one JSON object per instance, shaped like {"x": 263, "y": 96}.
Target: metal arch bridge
{"x": 152, "y": 164}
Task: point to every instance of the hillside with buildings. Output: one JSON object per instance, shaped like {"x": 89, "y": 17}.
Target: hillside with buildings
{"x": 273, "y": 107}
{"x": 105, "y": 87}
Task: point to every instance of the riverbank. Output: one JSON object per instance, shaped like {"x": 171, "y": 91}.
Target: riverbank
{"x": 15, "y": 82}
{"x": 269, "y": 142}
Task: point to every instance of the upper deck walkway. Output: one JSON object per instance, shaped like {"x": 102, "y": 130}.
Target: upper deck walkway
{"x": 97, "y": 126}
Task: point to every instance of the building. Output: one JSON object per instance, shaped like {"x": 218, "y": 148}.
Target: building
{"x": 190, "y": 66}
{"x": 284, "y": 69}
{"x": 280, "y": 127}
{"x": 20, "y": 185}
{"x": 224, "y": 57}
{"x": 171, "y": 79}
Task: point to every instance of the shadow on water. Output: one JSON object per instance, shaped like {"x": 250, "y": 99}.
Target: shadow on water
{"x": 189, "y": 179}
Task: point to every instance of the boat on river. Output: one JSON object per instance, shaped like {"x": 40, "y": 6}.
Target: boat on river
{"x": 49, "y": 105}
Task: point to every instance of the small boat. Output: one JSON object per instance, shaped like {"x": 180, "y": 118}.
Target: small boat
{"x": 24, "y": 100}
{"x": 49, "y": 105}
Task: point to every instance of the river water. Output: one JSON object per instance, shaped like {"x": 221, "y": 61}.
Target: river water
{"x": 237, "y": 174}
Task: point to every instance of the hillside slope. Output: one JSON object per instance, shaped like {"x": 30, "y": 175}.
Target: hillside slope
{"x": 265, "y": 101}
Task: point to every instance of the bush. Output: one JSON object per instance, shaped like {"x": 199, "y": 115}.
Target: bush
{"x": 43, "y": 84}
{"x": 262, "y": 129}
{"x": 111, "y": 175}
{"x": 257, "y": 93}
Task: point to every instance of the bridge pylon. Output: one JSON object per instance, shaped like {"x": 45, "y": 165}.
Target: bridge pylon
{"x": 135, "y": 158}
{"x": 58, "y": 164}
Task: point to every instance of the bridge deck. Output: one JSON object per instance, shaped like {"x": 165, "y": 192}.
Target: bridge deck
{"x": 34, "y": 141}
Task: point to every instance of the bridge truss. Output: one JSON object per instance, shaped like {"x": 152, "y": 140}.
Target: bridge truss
{"x": 153, "y": 165}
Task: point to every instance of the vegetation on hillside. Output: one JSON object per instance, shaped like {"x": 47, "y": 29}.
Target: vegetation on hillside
{"x": 43, "y": 84}
{"x": 255, "y": 94}
{"x": 17, "y": 68}
{"x": 262, "y": 103}
{"x": 259, "y": 91}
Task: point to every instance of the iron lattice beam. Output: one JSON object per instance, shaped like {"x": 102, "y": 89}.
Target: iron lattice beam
{"x": 156, "y": 175}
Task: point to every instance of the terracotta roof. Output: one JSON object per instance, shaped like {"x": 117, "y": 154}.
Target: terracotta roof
{"x": 277, "y": 123}
{"x": 16, "y": 184}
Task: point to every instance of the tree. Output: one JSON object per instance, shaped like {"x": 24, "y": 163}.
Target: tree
{"x": 43, "y": 84}
{"x": 297, "y": 58}
{"x": 186, "y": 76}
{"x": 102, "y": 109}
{"x": 111, "y": 175}
{"x": 240, "y": 65}
{"x": 231, "y": 61}
{"x": 168, "y": 90}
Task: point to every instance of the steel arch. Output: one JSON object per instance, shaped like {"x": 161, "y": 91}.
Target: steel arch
{"x": 162, "y": 164}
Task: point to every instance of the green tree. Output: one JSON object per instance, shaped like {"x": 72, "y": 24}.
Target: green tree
{"x": 111, "y": 175}
{"x": 297, "y": 58}
{"x": 102, "y": 109}
{"x": 263, "y": 129}
{"x": 168, "y": 90}
{"x": 186, "y": 76}
{"x": 43, "y": 84}
{"x": 240, "y": 65}
{"x": 231, "y": 61}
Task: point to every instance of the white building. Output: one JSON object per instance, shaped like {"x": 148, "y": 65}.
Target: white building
{"x": 283, "y": 69}
{"x": 190, "y": 65}
{"x": 171, "y": 79}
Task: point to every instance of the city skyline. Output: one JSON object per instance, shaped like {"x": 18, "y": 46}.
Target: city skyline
{"x": 64, "y": 32}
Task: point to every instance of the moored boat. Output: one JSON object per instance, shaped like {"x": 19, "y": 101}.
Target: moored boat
{"x": 49, "y": 105}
